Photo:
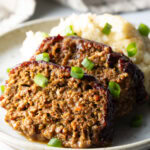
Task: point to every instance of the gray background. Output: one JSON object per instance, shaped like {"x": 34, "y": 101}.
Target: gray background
{"x": 49, "y": 8}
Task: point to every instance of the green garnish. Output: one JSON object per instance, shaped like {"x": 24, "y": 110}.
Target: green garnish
{"x": 114, "y": 89}
{"x": 132, "y": 49}
{"x": 45, "y": 35}
{"x": 8, "y": 70}
{"x": 43, "y": 56}
{"x": 54, "y": 142}
{"x": 41, "y": 80}
{"x": 144, "y": 29}
{"x": 69, "y": 31}
{"x": 77, "y": 72}
{"x": 107, "y": 29}
{"x": 136, "y": 121}
{"x": 2, "y": 88}
{"x": 88, "y": 64}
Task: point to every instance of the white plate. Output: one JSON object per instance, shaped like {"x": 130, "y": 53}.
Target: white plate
{"x": 125, "y": 137}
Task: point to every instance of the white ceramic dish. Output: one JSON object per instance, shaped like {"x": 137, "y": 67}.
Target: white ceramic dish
{"x": 126, "y": 138}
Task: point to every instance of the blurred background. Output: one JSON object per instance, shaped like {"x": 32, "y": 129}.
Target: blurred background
{"x": 19, "y": 11}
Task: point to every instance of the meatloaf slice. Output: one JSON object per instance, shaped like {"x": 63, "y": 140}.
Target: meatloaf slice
{"x": 79, "y": 112}
{"x": 109, "y": 66}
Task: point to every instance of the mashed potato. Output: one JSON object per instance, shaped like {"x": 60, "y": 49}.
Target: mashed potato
{"x": 31, "y": 43}
{"x": 90, "y": 26}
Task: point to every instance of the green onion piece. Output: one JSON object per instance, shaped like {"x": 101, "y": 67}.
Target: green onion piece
{"x": 88, "y": 64}
{"x": 2, "y": 88}
{"x": 136, "y": 121}
{"x": 43, "y": 56}
{"x": 8, "y": 70}
{"x": 77, "y": 72}
{"x": 45, "y": 35}
{"x": 107, "y": 29}
{"x": 69, "y": 31}
{"x": 114, "y": 89}
{"x": 54, "y": 142}
{"x": 131, "y": 49}
{"x": 41, "y": 80}
{"x": 143, "y": 29}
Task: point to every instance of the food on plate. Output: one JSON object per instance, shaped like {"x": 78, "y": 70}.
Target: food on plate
{"x": 121, "y": 34}
{"x": 93, "y": 27}
{"x": 77, "y": 80}
{"x": 2, "y": 89}
{"x": 114, "y": 70}
{"x": 44, "y": 102}
{"x": 31, "y": 43}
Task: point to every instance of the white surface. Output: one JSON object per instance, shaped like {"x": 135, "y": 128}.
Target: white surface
{"x": 45, "y": 9}
{"x": 5, "y": 147}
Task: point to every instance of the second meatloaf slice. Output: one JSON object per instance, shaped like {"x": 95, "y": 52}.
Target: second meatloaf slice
{"x": 77, "y": 112}
{"x": 108, "y": 66}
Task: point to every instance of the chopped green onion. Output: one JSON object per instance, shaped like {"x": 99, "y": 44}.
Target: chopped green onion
{"x": 41, "y": 80}
{"x": 136, "y": 121}
{"x": 143, "y": 29}
{"x": 88, "y": 64}
{"x": 107, "y": 29}
{"x": 69, "y": 31}
{"x": 45, "y": 35}
{"x": 77, "y": 72}
{"x": 131, "y": 49}
{"x": 8, "y": 70}
{"x": 43, "y": 56}
{"x": 54, "y": 142}
{"x": 2, "y": 88}
{"x": 114, "y": 89}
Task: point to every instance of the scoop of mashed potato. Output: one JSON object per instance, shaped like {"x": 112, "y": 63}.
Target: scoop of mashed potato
{"x": 90, "y": 26}
{"x": 31, "y": 44}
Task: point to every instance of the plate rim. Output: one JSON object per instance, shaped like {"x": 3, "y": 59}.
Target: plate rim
{"x": 30, "y": 23}
{"x": 4, "y": 137}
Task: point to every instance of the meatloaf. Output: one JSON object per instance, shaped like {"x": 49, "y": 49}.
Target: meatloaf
{"x": 79, "y": 112}
{"x": 108, "y": 66}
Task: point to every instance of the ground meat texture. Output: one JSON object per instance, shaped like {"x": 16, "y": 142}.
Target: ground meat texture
{"x": 109, "y": 66}
{"x": 78, "y": 112}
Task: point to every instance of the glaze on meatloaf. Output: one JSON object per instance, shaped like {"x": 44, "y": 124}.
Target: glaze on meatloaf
{"x": 109, "y": 66}
{"x": 78, "y": 112}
